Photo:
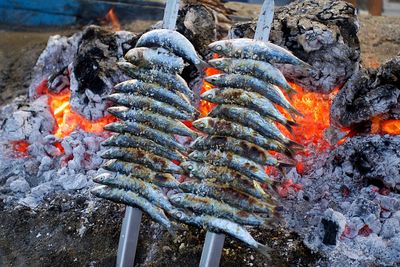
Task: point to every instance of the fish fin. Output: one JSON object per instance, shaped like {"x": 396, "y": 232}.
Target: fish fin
{"x": 290, "y": 124}
{"x": 264, "y": 249}
{"x": 282, "y": 165}
{"x": 305, "y": 65}
{"x": 294, "y": 146}
{"x": 202, "y": 65}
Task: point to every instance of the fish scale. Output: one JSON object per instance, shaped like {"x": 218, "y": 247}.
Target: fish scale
{"x": 226, "y": 166}
{"x": 144, "y": 153}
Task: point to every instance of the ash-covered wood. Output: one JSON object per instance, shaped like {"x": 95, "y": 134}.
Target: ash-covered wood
{"x": 54, "y": 59}
{"x": 93, "y": 72}
{"x": 198, "y": 24}
{"x": 322, "y": 33}
{"x": 367, "y": 94}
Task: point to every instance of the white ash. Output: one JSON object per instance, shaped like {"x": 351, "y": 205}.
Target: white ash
{"x": 85, "y": 62}
{"x": 349, "y": 205}
{"x": 26, "y": 179}
{"x": 55, "y": 57}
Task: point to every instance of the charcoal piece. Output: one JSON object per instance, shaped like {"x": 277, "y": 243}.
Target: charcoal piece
{"x": 93, "y": 71}
{"x": 375, "y": 159}
{"x": 198, "y": 24}
{"x": 369, "y": 93}
{"x": 331, "y": 230}
{"x": 322, "y": 33}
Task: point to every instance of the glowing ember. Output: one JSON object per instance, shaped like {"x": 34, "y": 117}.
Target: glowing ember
{"x": 204, "y": 106}
{"x": 21, "y": 147}
{"x": 315, "y": 108}
{"x": 380, "y": 126}
{"x": 68, "y": 120}
{"x": 112, "y": 18}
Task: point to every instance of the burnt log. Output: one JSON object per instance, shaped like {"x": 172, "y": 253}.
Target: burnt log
{"x": 369, "y": 93}
{"x": 94, "y": 73}
{"x": 322, "y": 33}
{"x": 199, "y": 25}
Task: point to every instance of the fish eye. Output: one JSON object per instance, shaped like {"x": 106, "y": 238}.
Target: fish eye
{"x": 179, "y": 214}
{"x": 202, "y": 125}
{"x": 190, "y": 167}
{"x": 218, "y": 47}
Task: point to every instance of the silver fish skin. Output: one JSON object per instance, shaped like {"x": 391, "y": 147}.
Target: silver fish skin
{"x": 252, "y": 84}
{"x": 225, "y": 175}
{"x": 218, "y": 158}
{"x": 132, "y": 199}
{"x": 145, "y": 131}
{"x": 155, "y": 58}
{"x": 250, "y": 119}
{"x": 216, "y": 126}
{"x": 155, "y": 120}
{"x": 250, "y": 100}
{"x": 205, "y": 205}
{"x": 136, "y": 170}
{"x": 257, "y": 50}
{"x": 237, "y": 146}
{"x": 150, "y": 104}
{"x": 172, "y": 41}
{"x": 258, "y": 69}
{"x": 171, "y": 81}
{"x": 157, "y": 92}
{"x": 229, "y": 196}
{"x": 150, "y": 192}
{"x": 127, "y": 140}
{"x": 140, "y": 156}
{"x": 223, "y": 226}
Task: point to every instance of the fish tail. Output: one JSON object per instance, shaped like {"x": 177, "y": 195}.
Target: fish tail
{"x": 305, "y": 65}
{"x": 264, "y": 249}
{"x": 282, "y": 165}
{"x": 296, "y": 112}
{"x": 294, "y": 146}
{"x": 290, "y": 124}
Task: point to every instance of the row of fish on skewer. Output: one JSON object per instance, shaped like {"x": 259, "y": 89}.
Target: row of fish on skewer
{"x": 225, "y": 162}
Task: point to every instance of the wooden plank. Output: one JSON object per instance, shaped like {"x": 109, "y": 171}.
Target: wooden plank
{"x": 375, "y": 7}
{"x": 34, "y": 18}
{"x": 67, "y": 12}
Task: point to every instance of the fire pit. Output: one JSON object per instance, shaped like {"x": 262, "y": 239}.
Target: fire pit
{"x": 341, "y": 202}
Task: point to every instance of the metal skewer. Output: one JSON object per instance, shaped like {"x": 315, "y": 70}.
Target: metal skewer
{"x": 212, "y": 249}
{"x": 131, "y": 224}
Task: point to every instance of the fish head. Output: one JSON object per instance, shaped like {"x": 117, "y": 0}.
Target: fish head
{"x": 179, "y": 215}
{"x": 101, "y": 178}
{"x": 217, "y": 79}
{"x": 177, "y": 199}
{"x": 209, "y": 95}
{"x": 220, "y": 63}
{"x": 187, "y": 166}
{"x": 200, "y": 124}
{"x": 188, "y": 186}
{"x": 135, "y": 55}
{"x": 220, "y": 47}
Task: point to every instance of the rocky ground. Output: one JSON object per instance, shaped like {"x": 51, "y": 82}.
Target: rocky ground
{"x": 75, "y": 230}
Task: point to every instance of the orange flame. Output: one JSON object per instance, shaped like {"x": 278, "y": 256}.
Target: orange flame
{"x": 315, "y": 108}
{"x": 112, "y": 18}
{"x": 381, "y": 126}
{"x": 68, "y": 120}
{"x": 205, "y": 107}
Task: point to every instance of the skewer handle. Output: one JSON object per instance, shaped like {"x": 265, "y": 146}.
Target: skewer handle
{"x": 264, "y": 23}
{"x": 171, "y": 14}
{"x": 128, "y": 238}
{"x": 212, "y": 250}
